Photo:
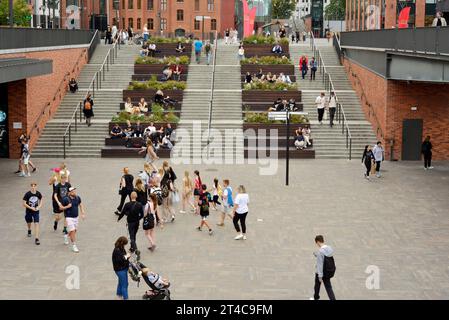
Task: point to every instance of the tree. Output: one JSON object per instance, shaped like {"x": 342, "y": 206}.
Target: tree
{"x": 282, "y": 9}
{"x": 335, "y": 10}
{"x": 21, "y": 13}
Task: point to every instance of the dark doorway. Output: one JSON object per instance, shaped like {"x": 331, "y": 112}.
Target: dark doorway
{"x": 411, "y": 139}
{"x": 180, "y": 33}
{"x": 4, "y": 143}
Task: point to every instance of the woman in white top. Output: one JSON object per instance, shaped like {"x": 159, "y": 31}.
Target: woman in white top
{"x": 241, "y": 53}
{"x": 240, "y": 212}
{"x": 306, "y": 134}
{"x": 187, "y": 193}
{"x": 143, "y": 106}
{"x": 128, "y": 105}
{"x": 145, "y": 32}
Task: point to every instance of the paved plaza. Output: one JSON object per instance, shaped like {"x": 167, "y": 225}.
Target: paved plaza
{"x": 398, "y": 223}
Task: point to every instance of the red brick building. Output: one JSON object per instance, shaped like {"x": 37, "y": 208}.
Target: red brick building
{"x": 163, "y": 17}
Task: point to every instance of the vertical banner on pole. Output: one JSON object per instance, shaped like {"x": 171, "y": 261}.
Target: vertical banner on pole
{"x": 249, "y": 17}
{"x": 403, "y": 18}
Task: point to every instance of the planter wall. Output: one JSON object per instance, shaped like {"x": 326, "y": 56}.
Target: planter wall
{"x": 269, "y": 96}
{"x": 148, "y": 94}
{"x": 123, "y": 125}
{"x": 261, "y": 50}
{"x": 168, "y": 49}
{"x": 281, "y": 128}
{"x": 273, "y": 68}
{"x": 155, "y": 68}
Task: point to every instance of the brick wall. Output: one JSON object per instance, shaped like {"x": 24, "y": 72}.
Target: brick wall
{"x": 45, "y": 93}
{"x": 17, "y": 112}
{"x": 391, "y": 103}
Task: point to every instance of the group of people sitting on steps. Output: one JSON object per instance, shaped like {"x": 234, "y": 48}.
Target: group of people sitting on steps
{"x": 149, "y": 49}
{"x": 142, "y": 108}
{"x": 136, "y": 135}
{"x": 172, "y": 72}
{"x": 284, "y": 105}
{"x": 269, "y": 77}
{"x": 302, "y": 138}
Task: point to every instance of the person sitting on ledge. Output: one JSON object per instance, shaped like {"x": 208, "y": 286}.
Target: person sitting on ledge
{"x": 73, "y": 85}
{"x": 283, "y": 78}
{"x": 260, "y": 75}
{"x": 306, "y": 134}
{"x": 156, "y": 138}
{"x": 137, "y": 129}
{"x": 277, "y": 49}
{"x": 248, "y": 77}
{"x": 180, "y": 48}
{"x": 129, "y": 130}
{"x": 151, "y": 49}
{"x": 292, "y": 105}
{"x": 299, "y": 140}
{"x": 144, "y": 50}
{"x": 143, "y": 106}
{"x": 160, "y": 99}
{"x": 177, "y": 70}
{"x": 167, "y": 73}
{"x": 271, "y": 78}
{"x": 116, "y": 132}
{"x": 130, "y": 108}
{"x": 168, "y": 131}
{"x": 149, "y": 130}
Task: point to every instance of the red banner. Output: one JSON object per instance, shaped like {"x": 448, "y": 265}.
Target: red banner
{"x": 249, "y": 16}
{"x": 403, "y": 18}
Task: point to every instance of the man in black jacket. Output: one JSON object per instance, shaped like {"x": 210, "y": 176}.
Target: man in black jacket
{"x": 134, "y": 212}
{"x": 426, "y": 149}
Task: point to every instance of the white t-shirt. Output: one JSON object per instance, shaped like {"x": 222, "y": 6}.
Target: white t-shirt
{"x": 378, "y": 153}
{"x": 151, "y": 129}
{"x": 320, "y": 102}
{"x": 242, "y": 200}
{"x": 332, "y": 102}
{"x": 241, "y": 52}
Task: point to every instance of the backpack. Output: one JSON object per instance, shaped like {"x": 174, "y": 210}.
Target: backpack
{"x": 87, "y": 105}
{"x": 158, "y": 192}
{"x": 328, "y": 267}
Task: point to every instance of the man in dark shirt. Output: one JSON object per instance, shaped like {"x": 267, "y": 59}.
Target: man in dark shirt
{"x": 168, "y": 130}
{"x": 116, "y": 132}
{"x": 32, "y": 201}
{"x": 61, "y": 191}
{"x": 71, "y": 204}
{"x": 134, "y": 212}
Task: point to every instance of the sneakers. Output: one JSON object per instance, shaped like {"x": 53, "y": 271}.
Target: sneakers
{"x": 117, "y": 213}
{"x": 198, "y": 228}
{"x": 220, "y": 224}
{"x": 425, "y": 168}
{"x": 37, "y": 242}
{"x": 66, "y": 239}
{"x": 211, "y": 232}
{"x": 182, "y": 211}
{"x": 29, "y": 234}
{"x": 55, "y": 225}
{"x": 34, "y": 169}
{"x": 75, "y": 248}
{"x": 29, "y": 174}
{"x": 244, "y": 237}
{"x": 430, "y": 167}
{"x": 239, "y": 237}
{"x": 21, "y": 174}
{"x": 17, "y": 172}
{"x": 172, "y": 218}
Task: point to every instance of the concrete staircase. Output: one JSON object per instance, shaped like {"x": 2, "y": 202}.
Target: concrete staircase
{"x": 88, "y": 141}
{"x": 227, "y": 103}
{"x": 330, "y": 142}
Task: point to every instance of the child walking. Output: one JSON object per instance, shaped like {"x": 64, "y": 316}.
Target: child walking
{"x": 203, "y": 204}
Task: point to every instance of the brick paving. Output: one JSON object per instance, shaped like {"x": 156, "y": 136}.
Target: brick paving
{"x": 398, "y": 223}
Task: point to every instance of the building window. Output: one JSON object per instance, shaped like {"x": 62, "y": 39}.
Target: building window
{"x": 180, "y": 15}
{"x": 196, "y": 25}
{"x": 139, "y": 23}
{"x": 150, "y": 24}
{"x": 115, "y": 5}
{"x": 139, "y": 4}
{"x": 123, "y": 23}
{"x": 130, "y": 4}
{"x": 163, "y": 5}
{"x": 210, "y": 5}
{"x": 179, "y": 0}
{"x": 163, "y": 24}
{"x": 197, "y": 5}
{"x": 213, "y": 24}
{"x": 130, "y": 23}
{"x": 123, "y": 4}
{"x": 150, "y": 5}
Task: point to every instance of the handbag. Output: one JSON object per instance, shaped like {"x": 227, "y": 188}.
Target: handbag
{"x": 148, "y": 221}
{"x": 176, "y": 197}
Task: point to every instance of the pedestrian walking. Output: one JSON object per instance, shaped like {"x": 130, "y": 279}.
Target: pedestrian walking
{"x": 227, "y": 33}
{"x": 241, "y": 53}
{"x": 61, "y": 191}
{"x": 297, "y": 36}
{"x": 54, "y": 180}
{"x": 197, "y": 191}
{"x": 108, "y": 36}
{"x": 426, "y": 150}
{"x": 325, "y": 268}
{"x": 228, "y": 202}
{"x": 71, "y": 205}
{"x": 64, "y": 171}
{"x": 217, "y": 192}
{"x": 114, "y": 33}
{"x": 21, "y": 140}
{"x": 151, "y": 216}
{"x": 32, "y": 201}
{"x": 187, "y": 193}
{"x": 208, "y": 51}
{"x": 133, "y": 211}
{"x": 145, "y": 33}
{"x": 332, "y": 105}
{"x": 367, "y": 159}
{"x": 125, "y": 188}
{"x": 25, "y": 158}
{"x": 240, "y": 212}
{"x": 120, "y": 263}
{"x": 313, "y": 68}
{"x": 141, "y": 191}
{"x": 235, "y": 36}
{"x": 88, "y": 105}
{"x": 168, "y": 187}
{"x": 320, "y": 103}
{"x": 198, "y": 45}
{"x": 204, "y": 204}
{"x": 130, "y": 35}
{"x": 379, "y": 156}
{"x": 303, "y": 66}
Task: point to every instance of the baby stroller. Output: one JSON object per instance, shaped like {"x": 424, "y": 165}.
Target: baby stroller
{"x": 157, "y": 291}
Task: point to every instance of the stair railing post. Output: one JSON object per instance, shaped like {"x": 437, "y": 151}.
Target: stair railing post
{"x": 70, "y": 134}
{"x": 81, "y": 111}
{"x": 63, "y": 145}
{"x": 76, "y": 120}
{"x": 343, "y": 125}
{"x": 350, "y": 148}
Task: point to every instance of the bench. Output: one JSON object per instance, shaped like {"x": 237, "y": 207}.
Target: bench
{"x": 168, "y": 49}
{"x": 261, "y": 50}
{"x": 263, "y": 107}
{"x": 143, "y": 124}
{"x": 242, "y": 78}
{"x": 149, "y": 94}
{"x": 155, "y": 68}
{"x": 177, "y": 106}
{"x": 281, "y": 141}
{"x": 146, "y": 77}
{"x": 280, "y": 128}
{"x": 250, "y": 96}
{"x": 124, "y": 152}
{"x": 278, "y": 153}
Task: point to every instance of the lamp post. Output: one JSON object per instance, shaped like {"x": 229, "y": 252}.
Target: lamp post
{"x": 11, "y": 13}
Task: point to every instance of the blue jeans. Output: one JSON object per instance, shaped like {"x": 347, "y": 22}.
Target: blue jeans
{"x": 197, "y": 56}
{"x": 122, "y": 286}
{"x": 145, "y": 37}
{"x": 208, "y": 57}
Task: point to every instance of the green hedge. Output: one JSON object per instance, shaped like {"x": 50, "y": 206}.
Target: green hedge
{"x": 157, "y": 85}
{"x": 262, "y": 117}
{"x": 157, "y": 115}
{"x": 165, "y": 60}
{"x": 259, "y": 39}
{"x": 267, "y": 60}
{"x": 267, "y": 86}
{"x": 168, "y": 40}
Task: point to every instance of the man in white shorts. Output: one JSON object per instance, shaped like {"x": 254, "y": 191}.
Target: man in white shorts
{"x": 71, "y": 204}
{"x": 228, "y": 202}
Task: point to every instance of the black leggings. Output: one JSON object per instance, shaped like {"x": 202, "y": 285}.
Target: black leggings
{"x": 427, "y": 159}
{"x": 122, "y": 200}
{"x": 133, "y": 227}
{"x": 368, "y": 168}
{"x": 378, "y": 166}
{"x": 327, "y": 286}
{"x": 242, "y": 218}
{"x": 320, "y": 114}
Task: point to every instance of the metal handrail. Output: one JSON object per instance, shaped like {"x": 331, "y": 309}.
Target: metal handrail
{"x": 97, "y": 79}
{"x": 329, "y": 86}
{"x": 209, "y": 124}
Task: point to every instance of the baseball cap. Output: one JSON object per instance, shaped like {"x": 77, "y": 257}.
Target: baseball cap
{"x": 71, "y": 189}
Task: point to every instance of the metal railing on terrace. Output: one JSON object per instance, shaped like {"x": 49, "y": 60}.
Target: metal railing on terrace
{"x": 431, "y": 40}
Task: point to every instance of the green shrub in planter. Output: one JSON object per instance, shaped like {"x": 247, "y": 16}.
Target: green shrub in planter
{"x": 262, "y": 117}
{"x": 165, "y": 60}
{"x": 260, "y": 39}
{"x": 157, "y": 85}
{"x": 267, "y": 86}
{"x": 267, "y": 60}
{"x": 157, "y": 115}
{"x": 168, "y": 40}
